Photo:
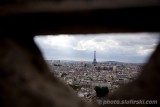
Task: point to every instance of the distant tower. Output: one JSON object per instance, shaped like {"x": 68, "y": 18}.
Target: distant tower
{"x": 81, "y": 63}
{"x": 94, "y": 60}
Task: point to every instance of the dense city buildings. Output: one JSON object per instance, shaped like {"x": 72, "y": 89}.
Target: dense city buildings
{"x": 85, "y": 76}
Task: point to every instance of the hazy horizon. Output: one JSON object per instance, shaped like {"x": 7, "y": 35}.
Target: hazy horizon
{"x": 119, "y": 47}
{"x": 97, "y": 61}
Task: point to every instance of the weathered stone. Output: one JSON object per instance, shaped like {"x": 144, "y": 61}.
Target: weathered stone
{"x": 25, "y": 79}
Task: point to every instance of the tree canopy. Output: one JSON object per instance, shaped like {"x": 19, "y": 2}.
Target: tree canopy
{"x": 101, "y": 91}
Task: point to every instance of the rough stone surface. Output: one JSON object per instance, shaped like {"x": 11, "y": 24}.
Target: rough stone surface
{"x": 25, "y": 80}
{"x": 21, "y": 6}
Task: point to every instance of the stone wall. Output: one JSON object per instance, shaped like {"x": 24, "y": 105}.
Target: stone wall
{"x": 25, "y": 79}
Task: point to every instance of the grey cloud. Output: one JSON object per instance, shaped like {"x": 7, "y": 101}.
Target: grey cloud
{"x": 126, "y": 51}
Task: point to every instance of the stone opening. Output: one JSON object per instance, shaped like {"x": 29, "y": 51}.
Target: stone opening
{"x": 25, "y": 79}
{"x": 70, "y": 59}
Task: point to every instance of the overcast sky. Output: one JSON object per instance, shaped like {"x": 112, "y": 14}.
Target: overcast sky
{"x": 135, "y": 47}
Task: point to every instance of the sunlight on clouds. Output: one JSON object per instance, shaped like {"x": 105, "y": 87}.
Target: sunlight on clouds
{"x": 60, "y": 40}
{"x": 95, "y": 45}
{"x": 142, "y": 51}
{"x": 89, "y": 45}
{"x": 132, "y": 47}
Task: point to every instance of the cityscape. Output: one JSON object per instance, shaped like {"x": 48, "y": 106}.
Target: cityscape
{"x": 84, "y": 76}
{"x": 95, "y": 66}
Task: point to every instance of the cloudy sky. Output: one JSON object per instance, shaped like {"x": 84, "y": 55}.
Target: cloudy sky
{"x": 135, "y": 47}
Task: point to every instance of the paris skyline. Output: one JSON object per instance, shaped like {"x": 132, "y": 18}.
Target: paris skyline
{"x": 127, "y": 47}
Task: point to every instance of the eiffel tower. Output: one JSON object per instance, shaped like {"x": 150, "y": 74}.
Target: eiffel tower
{"x": 94, "y": 60}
